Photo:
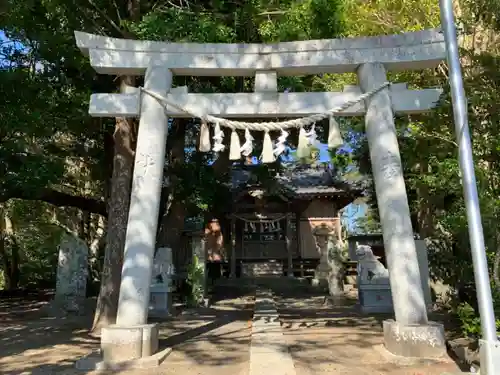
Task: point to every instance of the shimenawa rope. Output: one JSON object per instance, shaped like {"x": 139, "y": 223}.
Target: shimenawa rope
{"x": 267, "y": 126}
{"x": 269, "y": 152}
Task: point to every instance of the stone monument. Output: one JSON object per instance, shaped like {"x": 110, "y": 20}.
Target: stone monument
{"x": 160, "y": 300}
{"x": 374, "y": 289}
{"x": 72, "y": 272}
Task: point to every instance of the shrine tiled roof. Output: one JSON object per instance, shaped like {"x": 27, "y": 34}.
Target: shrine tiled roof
{"x": 300, "y": 180}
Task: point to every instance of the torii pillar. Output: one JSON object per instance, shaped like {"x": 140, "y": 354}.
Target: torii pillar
{"x": 132, "y": 338}
{"x": 410, "y": 334}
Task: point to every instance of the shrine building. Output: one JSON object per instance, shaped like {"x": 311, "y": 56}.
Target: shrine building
{"x": 270, "y": 223}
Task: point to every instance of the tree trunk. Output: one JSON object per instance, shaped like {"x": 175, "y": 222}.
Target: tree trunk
{"x": 424, "y": 215}
{"x": 119, "y": 201}
{"x": 496, "y": 263}
{"x": 174, "y": 212}
{"x": 10, "y": 259}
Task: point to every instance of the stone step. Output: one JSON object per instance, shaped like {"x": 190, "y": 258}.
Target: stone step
{"x": 262, "y": 269}
{"x": 281, "y": 285}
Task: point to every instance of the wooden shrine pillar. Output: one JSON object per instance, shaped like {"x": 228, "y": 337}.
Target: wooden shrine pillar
{"x": 298, "y": 240}
{"x": 288, "y": 241}
{"x": 338, "y": 227}
{"x": 233, "y": 248}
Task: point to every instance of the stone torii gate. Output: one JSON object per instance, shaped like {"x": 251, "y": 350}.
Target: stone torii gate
{"x": 132, "y": 338}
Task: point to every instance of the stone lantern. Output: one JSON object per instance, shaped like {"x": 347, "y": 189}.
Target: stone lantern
{"x": 330, "y": 271}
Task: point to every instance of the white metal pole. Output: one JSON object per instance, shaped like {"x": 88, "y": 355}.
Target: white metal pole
{"x": 476, "y": 236}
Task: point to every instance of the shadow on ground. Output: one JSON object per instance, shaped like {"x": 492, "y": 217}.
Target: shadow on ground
{"x": 322, "y": 338}
{"x": 339, "y": 339}
{"x": 31, "y": 343}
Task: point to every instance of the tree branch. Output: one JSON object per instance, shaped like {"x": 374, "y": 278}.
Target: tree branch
{"x": 61, "y": 199}
{"x": 107, "y": 18}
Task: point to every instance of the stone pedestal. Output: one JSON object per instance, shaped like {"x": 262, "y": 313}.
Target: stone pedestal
{"x": 418, "y": 340}
{"x": 125, "y": 349}
{"x": 160, "y": 297}
{"x": 160, "y": 300}
{"x": 375, "y": 299}
{"x": 374, "y": 289}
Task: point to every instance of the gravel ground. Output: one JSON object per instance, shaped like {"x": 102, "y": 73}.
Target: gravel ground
{"x": 338, "y": 340}
{"x": 209, "y": 341}
{"x": 214, "y": 341}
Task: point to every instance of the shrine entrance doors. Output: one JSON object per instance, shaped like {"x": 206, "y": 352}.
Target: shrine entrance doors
{"x": 262, "y": 240}
{"x": 263, "y": 245}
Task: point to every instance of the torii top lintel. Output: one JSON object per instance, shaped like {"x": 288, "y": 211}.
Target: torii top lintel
{"x": 406, "y": 51}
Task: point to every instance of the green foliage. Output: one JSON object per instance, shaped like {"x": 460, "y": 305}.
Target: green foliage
{"x": 367, "y": 223}
{"x": 310, "y": 19}
{"x": 470, "y": 321}
{"x": 35, "y": 242}
{"x": 196, "y": 282}
{"x": 177, "y": 25}
{"x": 390, "y": 16}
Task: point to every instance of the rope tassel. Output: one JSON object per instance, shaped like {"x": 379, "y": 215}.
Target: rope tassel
{"x": 334, "y": 136}
{"x": 247, "y": 148}
{"x": 303, "y": 146}
{"x": 312, "y": 137}
{"x": 205, "y": 145}
{"x": 281, "y": 143}
{"x": 234, "y": 148}
{"x": 218, "y": 138}
{"x": 267, "y": 149}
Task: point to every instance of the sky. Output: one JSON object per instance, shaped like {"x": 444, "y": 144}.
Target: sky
{"x": 352, "y": 211}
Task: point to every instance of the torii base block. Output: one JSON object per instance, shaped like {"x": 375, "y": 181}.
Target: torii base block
{"x": 126, "y": 348}
{"x": 419, "y": 340}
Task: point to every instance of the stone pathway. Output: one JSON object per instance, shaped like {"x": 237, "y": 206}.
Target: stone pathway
{"x": 269, "y": 352}
{"x": 214, "y": 342}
